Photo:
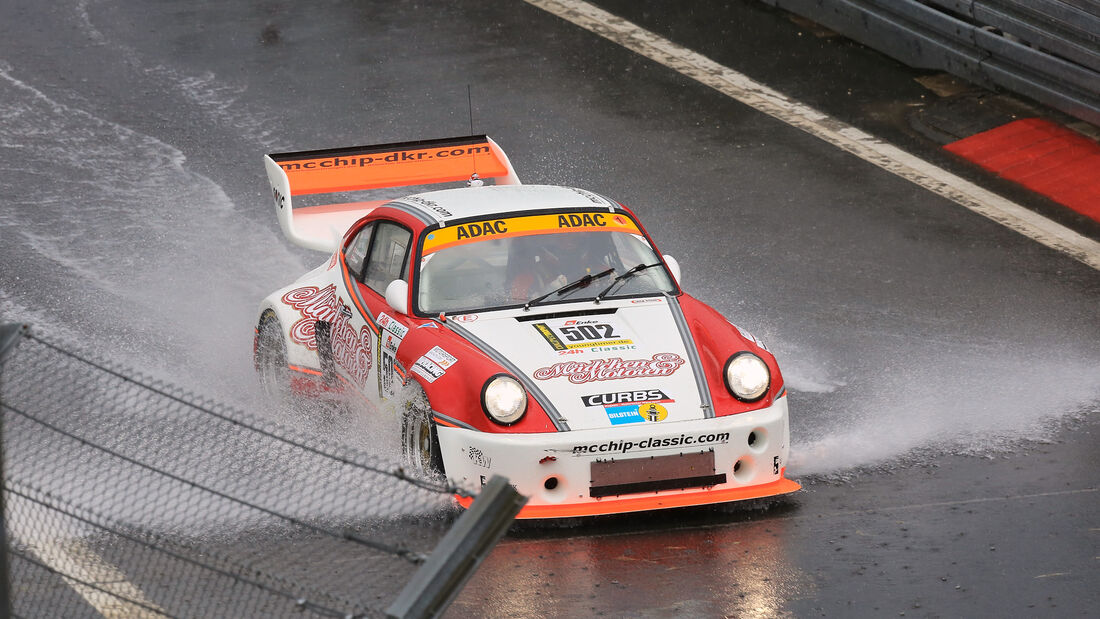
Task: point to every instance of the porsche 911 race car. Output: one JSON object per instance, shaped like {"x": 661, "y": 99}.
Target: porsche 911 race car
{"x": 524, "y": 330}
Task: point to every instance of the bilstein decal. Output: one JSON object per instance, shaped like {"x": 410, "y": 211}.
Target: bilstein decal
{"x": 580, "y": 372}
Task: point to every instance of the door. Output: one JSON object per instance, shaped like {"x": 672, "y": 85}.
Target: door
{"x": 387, "y": 260}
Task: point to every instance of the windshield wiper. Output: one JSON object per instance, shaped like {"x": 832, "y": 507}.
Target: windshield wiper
{"x": 579, "y": 283}
{"x": 634, "y": 270}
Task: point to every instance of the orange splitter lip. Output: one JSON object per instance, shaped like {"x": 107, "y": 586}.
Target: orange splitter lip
{"x": 667, "y": 500}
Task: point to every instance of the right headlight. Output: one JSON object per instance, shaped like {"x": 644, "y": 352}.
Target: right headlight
{"x": 504, "y": 399}
{"x": 747, "y": 376}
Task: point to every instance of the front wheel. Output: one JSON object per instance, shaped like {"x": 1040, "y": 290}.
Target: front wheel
{"x": 420, "y": 444}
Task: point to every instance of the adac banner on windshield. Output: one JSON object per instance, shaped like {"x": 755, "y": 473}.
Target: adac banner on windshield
{"x": 527, "y": 225}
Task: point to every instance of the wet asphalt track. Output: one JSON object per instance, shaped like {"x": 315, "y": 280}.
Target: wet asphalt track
{"x": 943, "y": 369}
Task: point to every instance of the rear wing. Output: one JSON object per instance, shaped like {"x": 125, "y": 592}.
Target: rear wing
{"x": 371, "y": 167}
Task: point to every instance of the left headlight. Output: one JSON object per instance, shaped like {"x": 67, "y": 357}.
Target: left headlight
{"x": 747, "y": 377}
{"x": 504, "y": 399}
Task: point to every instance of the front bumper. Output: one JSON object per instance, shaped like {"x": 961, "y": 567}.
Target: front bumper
{"x": 555, "y": 470}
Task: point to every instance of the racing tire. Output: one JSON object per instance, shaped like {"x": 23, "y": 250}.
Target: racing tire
{"x": 420, "y": 443}
{"x": 271, "y": 357}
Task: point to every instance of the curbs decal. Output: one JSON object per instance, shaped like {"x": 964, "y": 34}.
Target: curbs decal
{"x": 351, "y": 350}
{"x": 631, "y": 406}
{"x": 580, "y": 372}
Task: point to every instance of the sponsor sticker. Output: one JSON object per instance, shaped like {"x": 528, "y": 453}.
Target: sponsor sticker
{"x": 441, "y": 357}
{"x": 479, "y": 458}
{"x": 548, "y": 334}
{"x": 619, "y": 415}
{"x": 428, "y": 369}
{"x": 653, "y": 412}
{"x": 526, "y": 225}
{"x": 580, "y": 372}
{"x": 652, "y": 443}
{"x": 568, "y": 336}
{"x": 625, "y": 397}
{"x": 631, "y": 406}
{"x": 389, "y": 323}
{"x": 387, "y": 380}
{"x": 428, "y": 204}
{"x": 392, "y": 333}
{"x": 464, "y": 318}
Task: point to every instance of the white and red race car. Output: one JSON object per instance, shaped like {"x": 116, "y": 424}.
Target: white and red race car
{"x": 523, "y": 330}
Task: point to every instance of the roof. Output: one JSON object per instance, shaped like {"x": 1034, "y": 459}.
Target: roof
{"x": 470, "y": 202}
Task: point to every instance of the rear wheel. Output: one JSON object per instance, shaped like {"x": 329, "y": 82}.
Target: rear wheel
{"x": 271, "y": 360}
{"x": 420, "y": 443}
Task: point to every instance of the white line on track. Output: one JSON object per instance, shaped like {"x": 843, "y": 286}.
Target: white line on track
{"x": 844, "y": 136}
{"x": 113, "y": 596}
{"x": 59, "y": 544}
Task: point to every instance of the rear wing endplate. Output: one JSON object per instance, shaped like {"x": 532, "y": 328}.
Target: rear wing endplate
{"x": 380, "y": 166}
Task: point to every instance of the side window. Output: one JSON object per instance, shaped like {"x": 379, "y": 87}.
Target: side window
{"x": 356, "y": 253}
{"x": 388, "y": 256}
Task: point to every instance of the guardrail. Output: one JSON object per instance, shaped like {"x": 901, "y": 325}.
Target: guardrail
{"x": 129, "y": 497}
{"x": 1048, "y": 50}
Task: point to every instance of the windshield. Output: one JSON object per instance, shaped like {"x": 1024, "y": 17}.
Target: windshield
{"x": 508, "y": 262}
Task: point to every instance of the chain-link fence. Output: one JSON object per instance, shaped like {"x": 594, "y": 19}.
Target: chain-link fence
{"x": 128, "y": 497}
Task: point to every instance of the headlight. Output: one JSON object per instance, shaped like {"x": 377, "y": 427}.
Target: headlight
{"x": 504, "y": 399}
{"x": 747, "y": 376}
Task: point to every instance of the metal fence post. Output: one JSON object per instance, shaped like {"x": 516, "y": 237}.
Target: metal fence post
{"x": 435, "y": 585}
{"x": 10, "y": 336}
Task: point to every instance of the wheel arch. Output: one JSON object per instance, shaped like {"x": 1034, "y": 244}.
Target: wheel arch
{"x": 297, "y": 354}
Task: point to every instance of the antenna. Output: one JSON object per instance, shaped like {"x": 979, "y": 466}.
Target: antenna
{"x": 474, "y": 180}
{"x": 470, "y": 105}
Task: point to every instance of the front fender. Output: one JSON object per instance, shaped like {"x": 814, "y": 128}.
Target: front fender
{"x": 456, "y": 394}
{"x": 717, "y": 339}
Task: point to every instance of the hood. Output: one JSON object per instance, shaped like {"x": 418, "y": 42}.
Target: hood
{"x": 599, "y": 366}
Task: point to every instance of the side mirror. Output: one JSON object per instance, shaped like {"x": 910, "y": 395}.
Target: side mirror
{"x": 397, "y": 296}
{"x": 673, "y": 267}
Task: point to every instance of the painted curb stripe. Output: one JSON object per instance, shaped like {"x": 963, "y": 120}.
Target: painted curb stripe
{"x": 844, "y": 136}
{"x": 1043, "y": 157}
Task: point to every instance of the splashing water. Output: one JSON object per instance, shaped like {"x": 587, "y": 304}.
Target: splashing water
{"x": 111, "y": 234}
